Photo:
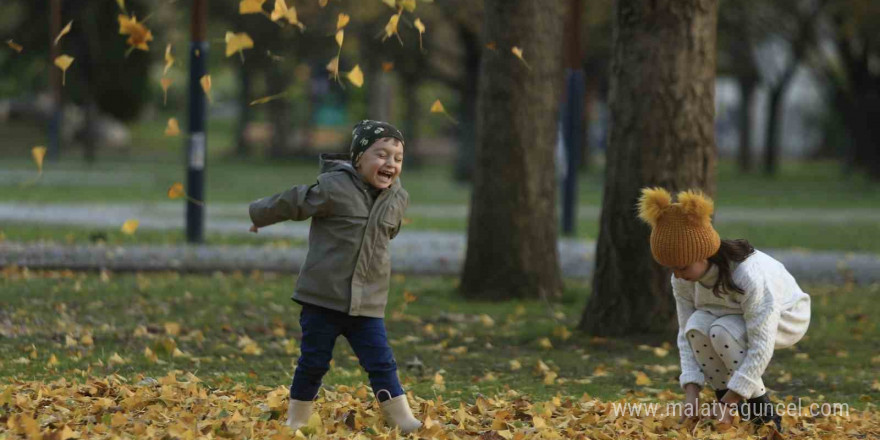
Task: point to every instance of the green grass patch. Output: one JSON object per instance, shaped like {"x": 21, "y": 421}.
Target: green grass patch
{"x": 243, "y": 328}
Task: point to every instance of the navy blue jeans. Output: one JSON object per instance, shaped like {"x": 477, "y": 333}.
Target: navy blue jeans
{"x": 320, "y": 328}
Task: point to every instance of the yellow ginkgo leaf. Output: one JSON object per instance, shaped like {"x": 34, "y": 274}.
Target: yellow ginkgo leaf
{"x": 391, "y": 27}
{"x": 642, "y": 379}
{"x": 63, "y": 62}
{"x": 169, "y": 60}
{"x": 39, "y": 153}
{"x": 333, "y": 66}
{"x": 283, "y": 11}
{"x": 250, "y": 6}
{"x": 266, "y": 99}
{"x": 121, "y": 4}
{"x": 437, "y": 107}
{"x": 421, "y": 28}
{"x": 390, "y": 3}
{"x": 205, "y": 81}
{"x": 175, "y": 191}
{"x": 342, "y": 21}
{"x": 129, "y": 226}
{"x": 14, "y": 46}
{"x": 63, "y": 32}
{"x": 409, "y": 5}
{"x": 173, "y": 129}
{"x": 322, "y": 3}
{"x": 138, "y": 34}
{"x": 340, "y": 35}
{"x": 356, "y": 76}
{"x": 166, "y": 82}
{"x": 519, "y": 54}
{"x": 237, "y": 43}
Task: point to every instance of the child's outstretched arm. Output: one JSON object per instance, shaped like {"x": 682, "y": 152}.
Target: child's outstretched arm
{"x": 297, "y": 203}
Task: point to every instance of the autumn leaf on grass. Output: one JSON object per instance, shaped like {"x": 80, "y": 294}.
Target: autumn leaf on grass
{"x": 519, "y": 54}
{"x": 421, "y": 28}
{"x": 129, "y": 226}
{"x": 14, "y": 46}
{"x": 39, "y": 153}
{"x": 169, "y": 60}
{"x": 356, "y": 76}
{"x": 63, "y": 32}
{"x": 206, "y": 86}
{"x": 176, "y": 191}
{"x": 288, "y": 13}
{"x": 238, "y": 43}
{"x": 642, "y": 379}
{"x": 173, "y": 128}
{"x": 437, "y": 107}
{"x": 138, "y": 34}
{"x": 166, "y": 82}
{"x": 63, "y": 62}
{"x": 250, "y": 6}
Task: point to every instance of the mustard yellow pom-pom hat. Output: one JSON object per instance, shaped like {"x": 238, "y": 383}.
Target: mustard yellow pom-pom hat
{"x": 681, "y": 232}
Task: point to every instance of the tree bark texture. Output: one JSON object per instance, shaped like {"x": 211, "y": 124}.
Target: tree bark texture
{"x": 512, "y": 232}
{"x": 662, "y": 134}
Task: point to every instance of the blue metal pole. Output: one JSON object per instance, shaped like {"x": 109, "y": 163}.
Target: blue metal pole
{"x": 196, "y": 149}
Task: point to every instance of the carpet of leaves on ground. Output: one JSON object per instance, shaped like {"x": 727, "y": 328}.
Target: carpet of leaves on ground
{"x": 181, "y": 406}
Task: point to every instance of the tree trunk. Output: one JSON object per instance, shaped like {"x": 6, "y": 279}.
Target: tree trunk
{"x": 242, "y": 149}
{"x": 467, "y": 138}
{"x": 281, "y": 120}
{"x": 774, "y": 126}
{"x": 662, "y": 134}
{"x": 512, "y": 232}
{"x": 411, "y": 116}
{"x": 747, "y": 87}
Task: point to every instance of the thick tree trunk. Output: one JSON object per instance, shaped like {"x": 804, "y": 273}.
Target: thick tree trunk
{"x": 411, "y": 117}
{"x": 280, "y": 117}
{"x": 467, "y": 138}
{"x": 774, "y": 128}
{"x": 662, "y": 134}
{"x": 512, "y": 232}
{"x": 747, "y": 87}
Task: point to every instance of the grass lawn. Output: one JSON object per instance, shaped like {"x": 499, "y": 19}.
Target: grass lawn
{"x": 238, "y": 329}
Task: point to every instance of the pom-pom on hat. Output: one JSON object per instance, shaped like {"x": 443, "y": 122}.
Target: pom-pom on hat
{"x": 682, "y": 232}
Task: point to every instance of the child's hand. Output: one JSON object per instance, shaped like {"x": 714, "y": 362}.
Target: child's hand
{"x": 254, "y": 229}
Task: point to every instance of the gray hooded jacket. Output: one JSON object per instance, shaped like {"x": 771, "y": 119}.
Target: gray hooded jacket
{"x": 348, "y": 266}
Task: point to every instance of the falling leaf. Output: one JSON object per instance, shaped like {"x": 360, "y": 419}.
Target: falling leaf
{"x": 206, "y": 85}
{"x": 391, "y": 3}
{"x": 283, "y": 11}
{"x": 169, "y": 60}
{"x": 250, "y": 6}
{"x": 322, "y": 3}
{"x": 356, "y": 76}
{"x": 421, "y": 28}
{"x": 173, "y": 128}
{"x": 14, "y": 46}
{"x": 491, "y": 45}
{"x": 237, "y": 43}
{"x": 121, "y": 4}
{"x": 391, "y": 27}
{"x": 387, "y": 66}
{"x": 63, "y": 32}
{"x": 333, "y": 67}
{"x": 342, "y": 21}
{"x": 340, "y": 35}
{"x": 269, "y": 98}
{"x": 409, "y": 5}
{"x": 166, "y": 82}
{"x": 437, "y": 107}
{"x": 519, "y": 54}
{"x": 39, "y": 153}
{"x": 176, "y": 191}
{"x": 642, "y": 379}
{"x": 129, "y": 226}
{"x": 138, "y": 34}
{"x": 63, "y": 62}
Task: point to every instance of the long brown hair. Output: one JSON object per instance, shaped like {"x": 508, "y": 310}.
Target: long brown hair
{"x": 730, "y": 251}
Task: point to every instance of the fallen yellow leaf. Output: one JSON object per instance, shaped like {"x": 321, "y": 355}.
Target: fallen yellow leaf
{"x": 642, "y": 379}
{"x": 63, "y": 62}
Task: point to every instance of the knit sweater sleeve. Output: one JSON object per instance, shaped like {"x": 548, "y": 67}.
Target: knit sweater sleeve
{"x": 684, "y": 306}
{"x": 761, "y": 314}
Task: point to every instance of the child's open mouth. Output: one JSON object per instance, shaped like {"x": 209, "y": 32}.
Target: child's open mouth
{"x": 385, "y": 175}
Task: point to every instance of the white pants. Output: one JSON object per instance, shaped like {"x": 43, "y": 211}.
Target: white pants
{"x": 719, "y": 345}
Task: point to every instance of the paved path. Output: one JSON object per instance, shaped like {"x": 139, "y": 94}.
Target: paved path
{"x": 413, "y": 251}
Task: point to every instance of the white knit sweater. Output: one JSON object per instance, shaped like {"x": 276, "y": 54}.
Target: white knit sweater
{"x": 775, "y": 310}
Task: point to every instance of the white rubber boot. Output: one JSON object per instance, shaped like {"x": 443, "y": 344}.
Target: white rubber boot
{"x": 398, "y": 414}
{"x": 298, "y": 413}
